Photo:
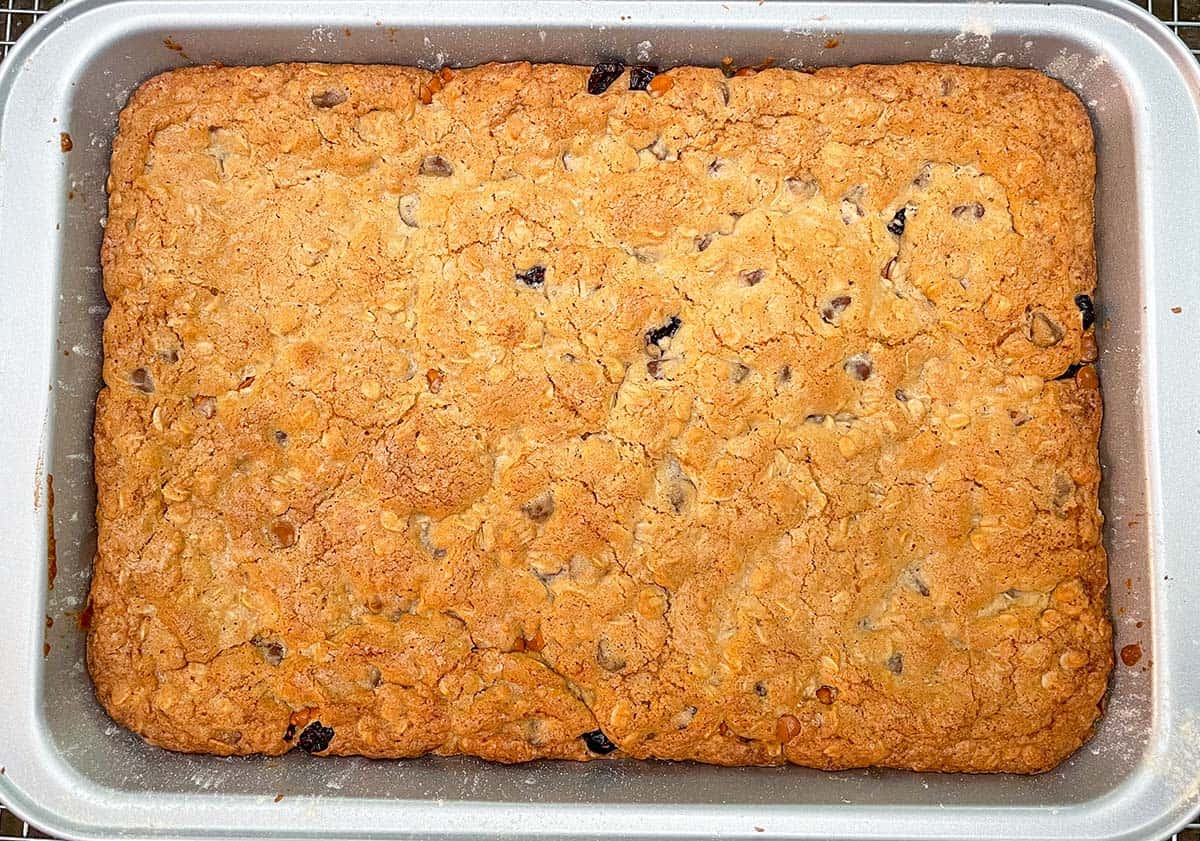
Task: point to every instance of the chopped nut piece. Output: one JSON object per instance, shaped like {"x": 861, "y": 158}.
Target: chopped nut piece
{"x": 1042, "y": 330}
{"x": 435, "y": 378}
{"x": 787, "y": 728}
{"x": 659, "y": 85}
{"x": 408, "y": 210}
{"x": 205, "y": 405}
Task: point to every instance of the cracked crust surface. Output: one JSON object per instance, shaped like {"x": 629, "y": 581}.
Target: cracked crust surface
{"x": 739, "y": 476}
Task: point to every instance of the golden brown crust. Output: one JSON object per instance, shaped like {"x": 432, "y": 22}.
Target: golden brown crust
{"x": 352, "y": 469}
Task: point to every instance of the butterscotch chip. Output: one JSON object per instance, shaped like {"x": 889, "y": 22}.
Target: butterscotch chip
{"x": 568, "y": 412}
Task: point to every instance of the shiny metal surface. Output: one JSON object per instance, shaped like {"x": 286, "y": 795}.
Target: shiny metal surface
{"x": 67, "y": 768}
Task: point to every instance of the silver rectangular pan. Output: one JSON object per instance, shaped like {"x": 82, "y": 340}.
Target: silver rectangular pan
{"x": 68, "y": 768}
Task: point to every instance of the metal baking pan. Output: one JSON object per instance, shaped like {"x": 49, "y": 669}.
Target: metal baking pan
{"x": 69, "y": 769}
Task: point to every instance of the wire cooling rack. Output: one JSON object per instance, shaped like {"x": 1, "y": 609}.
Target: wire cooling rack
{"x": 16, "y": 16}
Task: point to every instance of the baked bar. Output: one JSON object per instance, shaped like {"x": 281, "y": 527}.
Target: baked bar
{"x": 548, "y": 411}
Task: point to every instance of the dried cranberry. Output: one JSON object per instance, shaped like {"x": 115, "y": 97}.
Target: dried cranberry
{"x": 1087, "y": 309}
{"x": 534, "y": 276}
{"x": 896, "y": 226}
{"x": 315, "y": 738}
{"x": 603, "y": 75}
{"x": 598, "y": 743}
{"x": 640, "y": 76}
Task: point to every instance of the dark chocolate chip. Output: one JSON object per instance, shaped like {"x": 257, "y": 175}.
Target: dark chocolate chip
{"x": 751, "y": 277}
{"x": 760, "y": 689}
{"x": 315, "y": 738}
{"x": 533, "y": 277}
{"x": 608, "y": 657}
{"x": 272, "y": 650}
{"x": 281, "y": 438}
{"x": 858, "y": 366}
{"x": 1071, "y": 371}
{"x": 974, "y": 210}
{"x": 603, "y": 75}
{"x": 834, "y": 308}
{"x": 437, "y": 166}
{"x": 289, "y": 733}
{"x": 142, "y": 381}
{"x": 1042, "y": 330}
{"x": 896, "y": 226}
{"x": 895, "y": 663}
{"x": 1087, "y": 309}
{"x": 658, "y": 334}
{"x": 540, "y": 507}
{"x": 329, "y": 98}
{"x": 640, "y": 76}
{"x": 901, "y": 395}
{"x": 598, "y": 743}
{"x": 814, "y": 419}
